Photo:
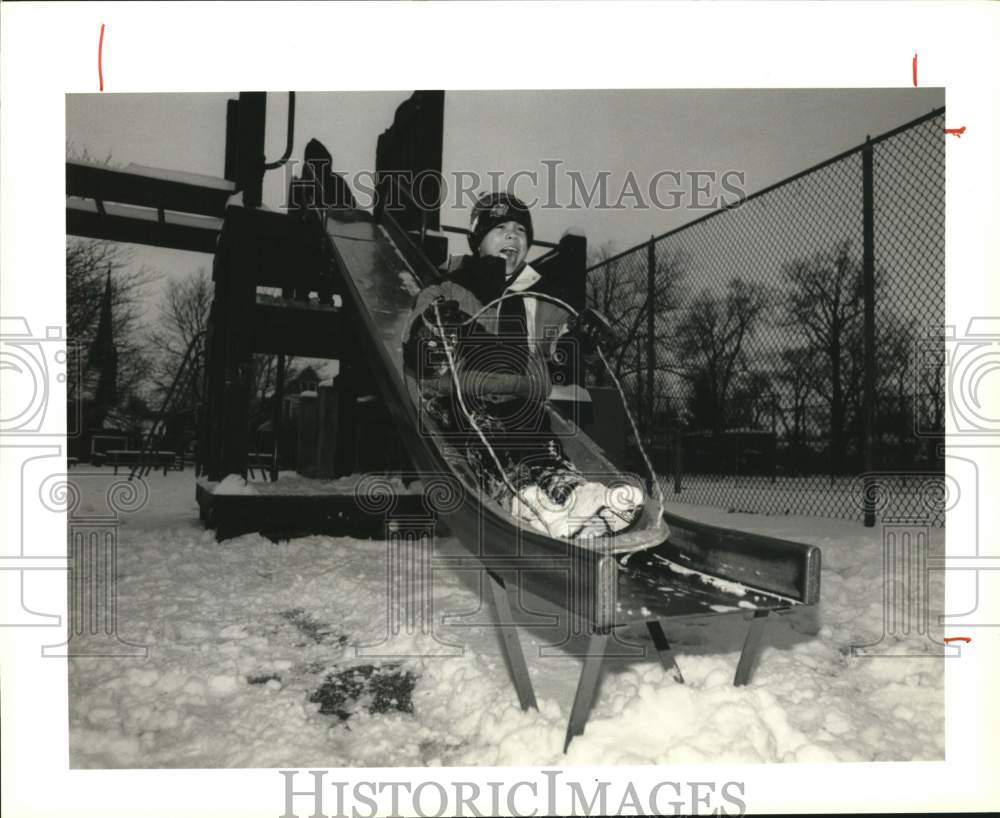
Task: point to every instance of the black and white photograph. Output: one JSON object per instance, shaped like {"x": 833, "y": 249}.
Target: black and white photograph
{"x": 495, "y": 427}
{"x": 647, "y": 457}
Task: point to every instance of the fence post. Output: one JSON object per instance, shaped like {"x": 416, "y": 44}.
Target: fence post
{"x": 276, "y": 415}
{"x": 678, "y": 458}
{"x": 650, "y": 338}
{"x": 868, "y": 288}
{"x": 774, "y": 438}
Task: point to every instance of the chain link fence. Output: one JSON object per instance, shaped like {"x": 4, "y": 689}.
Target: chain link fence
{"x": 743, "y": 339}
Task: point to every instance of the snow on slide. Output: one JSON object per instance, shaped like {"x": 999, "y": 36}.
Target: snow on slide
{"x": 256, "y": 660}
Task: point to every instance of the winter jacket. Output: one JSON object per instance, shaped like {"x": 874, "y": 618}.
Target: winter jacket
{"x": 500, "y": 365}
{"x": 533, "y": 325}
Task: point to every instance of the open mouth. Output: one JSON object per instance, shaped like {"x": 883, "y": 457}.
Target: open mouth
{"x": 509, "y": 253}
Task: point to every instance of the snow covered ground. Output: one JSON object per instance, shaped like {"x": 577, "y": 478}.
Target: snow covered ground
{"x": 254, "y": 662}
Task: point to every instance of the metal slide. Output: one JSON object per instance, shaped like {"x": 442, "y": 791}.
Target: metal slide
{"x": 666, "y": 577}
{"x": 695, "y": 570}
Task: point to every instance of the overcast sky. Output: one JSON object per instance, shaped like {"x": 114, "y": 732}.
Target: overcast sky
{"x": 764, "y": 135}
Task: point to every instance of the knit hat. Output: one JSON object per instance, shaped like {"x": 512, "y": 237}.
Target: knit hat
{"x": 493, "y": 209}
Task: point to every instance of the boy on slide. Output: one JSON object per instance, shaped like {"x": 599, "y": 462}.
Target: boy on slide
{"x": 480, "y": 344}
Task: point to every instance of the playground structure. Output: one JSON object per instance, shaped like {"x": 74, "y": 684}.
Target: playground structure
{"x": 364, "y": 267}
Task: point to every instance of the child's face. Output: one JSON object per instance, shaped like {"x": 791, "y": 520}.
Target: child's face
{"x": 509, "y": 241}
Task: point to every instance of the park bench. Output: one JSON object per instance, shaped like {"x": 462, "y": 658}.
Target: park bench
{"x": 134, "y": 457}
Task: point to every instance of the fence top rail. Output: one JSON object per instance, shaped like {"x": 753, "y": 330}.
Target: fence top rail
{"x": 870, "y": 142}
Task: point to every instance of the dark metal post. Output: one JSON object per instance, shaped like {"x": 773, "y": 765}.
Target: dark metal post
{"x": 346, "y": 425}
{"x": 774, "y": 437}
{"x": 650, "y": 338}
{"x": 587, "y": 686}
{"x": 240, "y": 296}
{"x": 663, "y": 650}
{"x": 279, "y": 399}
{"x": 678, "y": 458}
{"x": 250, "y": 146}
{"x": 869, "y": 328}
{"x": 751, "y": 648}
{"x": 510, "y": 642}
{"x": 571, "y": 269}
{"x": 210, "y": 419}
{"x": 230, "y": 171}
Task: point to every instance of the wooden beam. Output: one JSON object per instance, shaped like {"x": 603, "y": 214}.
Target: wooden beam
{"x": 278, "y": 240}
{"x": 133, "y": 225}
{"x": 237, "y": 297}
{"x": 251, "y": 114}
{"x": 294, "y": 329}
{"x": 149, "y": 187}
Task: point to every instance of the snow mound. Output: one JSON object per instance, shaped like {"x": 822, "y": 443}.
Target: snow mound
{"x": 234, "y": 484}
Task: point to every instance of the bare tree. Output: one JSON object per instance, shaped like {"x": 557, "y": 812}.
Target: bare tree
{"x": 710, "y": 346}
{"x": 825, "y": 303}
{"x": 930, "y": 385}
{"x": 796, "y": 375}
{"x": 752, "y": 401}
{"x": 619, "y": 288}
{"x": 601, "y": 280}
{"x": 184, "y": 317}
{"x": 613, "y": 289}
{"x": 895, "y": 341}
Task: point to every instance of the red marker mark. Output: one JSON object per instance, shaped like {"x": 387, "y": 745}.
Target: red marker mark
{"x": 100, "y": 49}
{"x": 948, "y": 640}
{"x": 955, "y": 131}
{"x": 914, "y": 69}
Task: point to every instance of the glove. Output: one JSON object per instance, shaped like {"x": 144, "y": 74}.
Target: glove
{"x": 448, "y": 313}
{"x": 591, "y": 329}
{"x": 424, "y": 348}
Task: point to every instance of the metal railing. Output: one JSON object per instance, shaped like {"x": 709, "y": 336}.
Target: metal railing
{"x": 180, "y": 388}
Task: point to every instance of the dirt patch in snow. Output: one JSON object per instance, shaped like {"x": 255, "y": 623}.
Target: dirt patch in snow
{"x": 378, "y": 689}
{"x": 319, "y": 632}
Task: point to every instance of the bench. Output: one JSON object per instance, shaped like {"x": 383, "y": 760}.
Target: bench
{"x": 134, "y": 457}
